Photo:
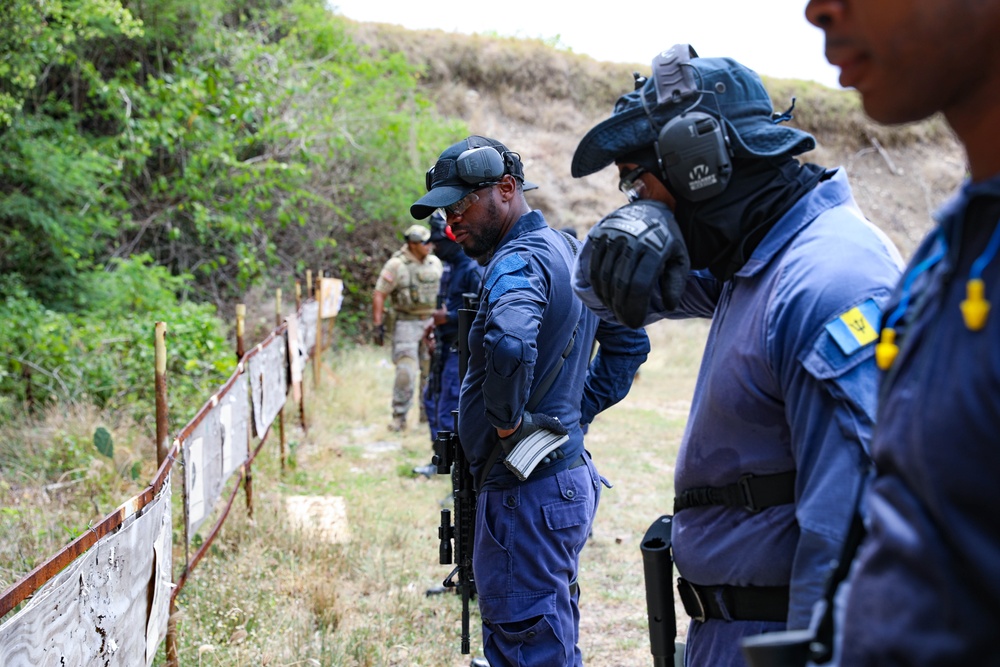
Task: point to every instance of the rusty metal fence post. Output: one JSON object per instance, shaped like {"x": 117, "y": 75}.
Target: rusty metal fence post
{"x": 162, "y": 450}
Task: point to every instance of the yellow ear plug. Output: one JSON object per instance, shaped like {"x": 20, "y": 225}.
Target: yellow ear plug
{"x": 886, "y": 350}
{"x": 975, "y": 308}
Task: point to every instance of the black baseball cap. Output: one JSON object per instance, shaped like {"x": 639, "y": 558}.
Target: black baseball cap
{"x": 464, "y": 167}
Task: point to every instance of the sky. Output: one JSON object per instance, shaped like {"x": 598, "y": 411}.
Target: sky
{"x": 771, "y": 37}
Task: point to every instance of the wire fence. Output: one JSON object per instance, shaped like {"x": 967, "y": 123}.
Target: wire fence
{"x": 107, "y": 597}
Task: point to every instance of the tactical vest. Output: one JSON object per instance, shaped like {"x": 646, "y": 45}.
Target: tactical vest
{"x": 417, "y": 287}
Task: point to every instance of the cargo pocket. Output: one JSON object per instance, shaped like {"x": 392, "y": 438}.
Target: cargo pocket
{"x": 521, "y": 628}
{"x": 576, "y": 504}
{"x": 566, "y": 514}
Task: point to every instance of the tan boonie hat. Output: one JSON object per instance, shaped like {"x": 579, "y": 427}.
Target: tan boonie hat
{"x": 417, "y": 234}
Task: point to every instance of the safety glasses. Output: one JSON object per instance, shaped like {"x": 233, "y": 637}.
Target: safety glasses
{"x": 631, "y": 185}
{"x": 463, "y": 204}
{"x": 459, "y": 207}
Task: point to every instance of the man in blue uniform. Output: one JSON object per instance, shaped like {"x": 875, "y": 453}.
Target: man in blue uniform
{"x": 778, "y": 255}
{"x": 462, "y": 275}
{"x": 925, "y": 585}
{"x": 530, "y": 379}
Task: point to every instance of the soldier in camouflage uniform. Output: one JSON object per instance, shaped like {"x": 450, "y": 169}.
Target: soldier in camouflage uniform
{"x": 410, "y": 279}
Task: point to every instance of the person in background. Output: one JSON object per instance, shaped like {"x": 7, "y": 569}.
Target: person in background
{"x": 924, "y": 588}
{"x": 462, "y": 275}
{"x": 530, "y": 382}
{"x": 725, "y": 223}
{"x": 409, "y": 279}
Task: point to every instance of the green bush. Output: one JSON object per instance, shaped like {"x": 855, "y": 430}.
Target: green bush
{"x": 158, "y": 157}
{"x": 104, "y": 355}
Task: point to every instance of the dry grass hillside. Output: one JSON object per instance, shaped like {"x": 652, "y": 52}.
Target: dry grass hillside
{"x": 540, "y": 101}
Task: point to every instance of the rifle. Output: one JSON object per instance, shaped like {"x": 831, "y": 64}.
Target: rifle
{"x": 437, "y": 359}
{"x": 449, "y": 457}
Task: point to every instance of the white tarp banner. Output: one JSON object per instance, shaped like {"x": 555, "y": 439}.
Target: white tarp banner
{"x": 268, "y": 383}
{"x": 331, "y": 292}
{"x": 297, "y": 357}
{"x": 307, "y": 326}
{"x": 109, "y": 607}
{"x": 216, "y": 448}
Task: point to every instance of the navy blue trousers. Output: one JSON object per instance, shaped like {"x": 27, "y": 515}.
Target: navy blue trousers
{"x": 525, "y": 559}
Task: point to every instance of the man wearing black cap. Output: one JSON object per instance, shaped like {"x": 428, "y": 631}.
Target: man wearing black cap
{"x": 529, "y": 387}
{"x": 462, "y": 275}
{"x": 410, "y": 279}
{"x": 726, "y": 224}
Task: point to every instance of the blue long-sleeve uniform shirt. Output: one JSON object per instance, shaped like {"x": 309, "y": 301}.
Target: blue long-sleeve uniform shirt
{"x": 787, "y": 382}
{"x": 465, "y": 277}
{"x": 926, "y": 584}
{"x": 527, "y": 314}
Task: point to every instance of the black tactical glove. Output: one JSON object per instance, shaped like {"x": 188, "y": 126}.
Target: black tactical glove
{"x": 378, "y": 335}
{"x": 633, "y": 249}
{"x": 535, "y": 438}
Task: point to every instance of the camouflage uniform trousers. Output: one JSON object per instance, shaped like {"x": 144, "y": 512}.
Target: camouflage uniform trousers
{"x": 411, "y": 358}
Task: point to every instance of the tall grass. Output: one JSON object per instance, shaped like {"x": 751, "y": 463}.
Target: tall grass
{"x": 55, "y": 483}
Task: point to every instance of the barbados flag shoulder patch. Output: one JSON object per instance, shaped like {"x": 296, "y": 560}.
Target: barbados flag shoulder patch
{"x": 856, "y": 328}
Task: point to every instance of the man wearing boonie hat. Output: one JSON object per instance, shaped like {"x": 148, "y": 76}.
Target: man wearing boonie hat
{"x": 410, "y": 280}
{"x": 725, "y": 223}
{"x": 530, "y": 386}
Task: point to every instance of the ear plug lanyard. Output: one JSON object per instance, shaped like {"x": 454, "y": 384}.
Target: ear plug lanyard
{"x": 887, "y": 349}
{"x": 975, "y": 307}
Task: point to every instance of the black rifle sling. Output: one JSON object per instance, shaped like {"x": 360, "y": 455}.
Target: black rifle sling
{"x": 821, "y": 651}
{"x": 542, "y": 389}
{"x": 533, "y": 402}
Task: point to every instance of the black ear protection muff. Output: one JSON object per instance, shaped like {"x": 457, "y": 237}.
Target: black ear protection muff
{"x": 479, "y": 165}
{"x": 693, "y": 147}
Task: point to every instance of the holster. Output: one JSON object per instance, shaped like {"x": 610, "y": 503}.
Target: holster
{"x": 658, "y": 570}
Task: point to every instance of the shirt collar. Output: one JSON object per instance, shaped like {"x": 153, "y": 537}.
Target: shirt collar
{"x": 833, "y": 191}
{"x": 954, "y": 208}
{"x": 528, "y": 222}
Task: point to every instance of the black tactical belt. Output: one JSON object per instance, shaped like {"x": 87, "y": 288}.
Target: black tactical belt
{"x": 751, "y": 492}
{"x": 734, "y": 603}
